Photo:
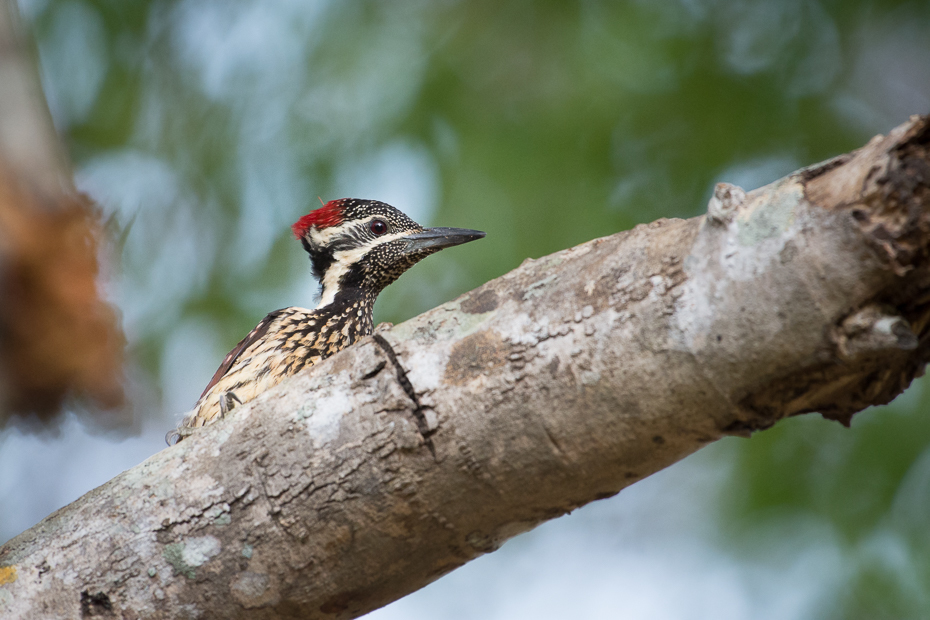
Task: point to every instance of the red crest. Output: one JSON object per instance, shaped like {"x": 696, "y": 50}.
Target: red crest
{"x": 328, "y": 215}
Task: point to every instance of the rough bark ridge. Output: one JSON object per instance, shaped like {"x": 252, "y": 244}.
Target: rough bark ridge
{"x": 557, "y": 384}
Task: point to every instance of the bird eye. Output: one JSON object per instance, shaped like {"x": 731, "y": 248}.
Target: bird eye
{"x": 378, "y": 227}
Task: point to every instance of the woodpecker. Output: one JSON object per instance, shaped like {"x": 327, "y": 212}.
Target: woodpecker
{"x": 356, "y": 247}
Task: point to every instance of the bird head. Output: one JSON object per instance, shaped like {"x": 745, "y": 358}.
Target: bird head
{"x": 358, "y": 247}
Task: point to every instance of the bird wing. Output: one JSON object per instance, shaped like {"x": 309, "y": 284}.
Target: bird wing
{"x": 260, "y": 330}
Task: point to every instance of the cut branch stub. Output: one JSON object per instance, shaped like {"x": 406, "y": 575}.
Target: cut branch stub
{"x": 723, "y": 204}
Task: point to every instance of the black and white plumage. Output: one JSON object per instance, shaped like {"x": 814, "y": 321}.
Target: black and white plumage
{"x": 357, "y": 248}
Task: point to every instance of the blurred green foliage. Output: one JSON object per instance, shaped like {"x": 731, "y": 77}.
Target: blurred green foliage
{"x": 210, "y": 126}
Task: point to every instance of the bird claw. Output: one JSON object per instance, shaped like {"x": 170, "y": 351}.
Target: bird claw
{"x": 228, "y": 402}
{"x": 175, "y": 436}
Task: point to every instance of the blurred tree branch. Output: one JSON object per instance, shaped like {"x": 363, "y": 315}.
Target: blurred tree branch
{"x": 559, "y": 383}
{"x": 57, "y": 338}
{"x": 28, "y": 142}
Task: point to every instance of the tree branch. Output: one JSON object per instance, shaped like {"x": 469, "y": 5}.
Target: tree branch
{"x": 559, "y": 383}
{"x": 57, "y": 337}
{"x": 29, "y": 145}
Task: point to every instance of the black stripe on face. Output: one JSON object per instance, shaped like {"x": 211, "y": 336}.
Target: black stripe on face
{"x": 320, "y": 257}
{"x": 354, "y": 237}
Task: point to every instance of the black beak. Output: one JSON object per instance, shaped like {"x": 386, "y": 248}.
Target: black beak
{"x": 439, "y": 238}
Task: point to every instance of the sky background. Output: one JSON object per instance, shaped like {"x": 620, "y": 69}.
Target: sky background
{"x": 205, "y": 128}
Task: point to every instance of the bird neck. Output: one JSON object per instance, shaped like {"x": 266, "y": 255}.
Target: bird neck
{"x": 356, "y": 301}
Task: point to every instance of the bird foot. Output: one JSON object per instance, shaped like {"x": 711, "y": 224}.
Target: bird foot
{"x": 176, "y": 435}
{"x": 228, "y": 402}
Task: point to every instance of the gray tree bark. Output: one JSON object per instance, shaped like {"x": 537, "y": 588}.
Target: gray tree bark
{"x": 560, "y": 383}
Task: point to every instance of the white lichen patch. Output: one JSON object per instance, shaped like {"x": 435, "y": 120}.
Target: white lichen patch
{"x": 198, "y": 550}
{"x": 456, "y": 323}
{"x": 249, "y": 585}
{"x": 184, "y": 557}
{"x": 425, "y": 368}
{"x": 538, "y": 288}
{"x": 521, "y": 329}
{"x": 726, "y": 261}
{"x": 469, "y": 323}
{"x": 590, "y": 377}
{"x": 207, "y": 488}
{"x": 222, "y": 432}
{"x": 323, "y": 415}
{"x": 769, "y": 212}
